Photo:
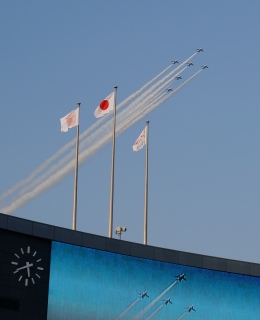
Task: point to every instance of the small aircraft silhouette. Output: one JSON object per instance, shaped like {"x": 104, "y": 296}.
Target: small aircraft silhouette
{"x": 204, "y": 67}
{"x": 199, "y": 49}
{"x": 181, "y": 277}
{"x": 175, "y": 61}
{"x": 143, "y": 294}
{"x": 190, "y": 64}
{"x": 166, "y": 301}
{"x": 178, "y": 77}
{"x": 190, "y": 308}
{"x": 169, "y": 89}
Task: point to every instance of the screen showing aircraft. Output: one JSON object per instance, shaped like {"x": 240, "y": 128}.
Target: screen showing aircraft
{"x": 93, "y": 284}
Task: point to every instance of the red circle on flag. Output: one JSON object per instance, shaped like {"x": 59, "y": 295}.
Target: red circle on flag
{"x": 104, "y": 105}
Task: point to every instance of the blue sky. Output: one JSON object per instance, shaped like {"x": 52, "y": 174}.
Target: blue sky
{"x": 203, "y": 141}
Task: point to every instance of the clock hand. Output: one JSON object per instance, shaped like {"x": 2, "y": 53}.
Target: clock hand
{"x": 28, "y": 269}
{"x": 28, "y": 265}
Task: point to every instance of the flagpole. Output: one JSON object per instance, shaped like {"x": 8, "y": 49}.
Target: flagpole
{"x": 146, "y": 185}
{"x": 110, "y": 226}
{"x": 74, "y": 217}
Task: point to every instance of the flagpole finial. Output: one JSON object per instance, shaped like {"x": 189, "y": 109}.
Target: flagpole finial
{"x": 147, "y": 121}
{"x": 78, "y": 103}
{"x": 115, "y": 87}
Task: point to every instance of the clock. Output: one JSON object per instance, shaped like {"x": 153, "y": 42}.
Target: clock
{"x": 27, "y": 266}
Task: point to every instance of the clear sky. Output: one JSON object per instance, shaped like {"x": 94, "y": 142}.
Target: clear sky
{"x": 203, "y": 141}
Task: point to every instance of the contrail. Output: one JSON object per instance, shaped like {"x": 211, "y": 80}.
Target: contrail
{"x": 134, "y": 113}
{"x": 154, "y": 312}
{"x": 72, "y": 143}
{"x": 128, "y": 308}
{"x": 91, "y": 142}
{"x": 183, "y": 315}
{"x": 46, "y": 163}
{"x": 85, "y": 133}
{"x": 63, "y": 167}
{"x": 62, "y": 150}
{"x": 143, "y": 112}
{"x": 159, "y": 297}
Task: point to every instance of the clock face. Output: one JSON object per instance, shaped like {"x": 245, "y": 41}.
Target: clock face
{"x": 27, "y": 266}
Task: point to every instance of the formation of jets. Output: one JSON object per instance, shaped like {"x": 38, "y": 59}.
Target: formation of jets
{"x": 181, "y": 277}
{"x": 179, "y": 77}
{"x": 190, "y": 308}
{"x": 166, "y": 301}
{"x": 143, "y": 294}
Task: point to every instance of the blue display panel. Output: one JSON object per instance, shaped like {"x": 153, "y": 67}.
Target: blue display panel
{"x": 93, "y": 284}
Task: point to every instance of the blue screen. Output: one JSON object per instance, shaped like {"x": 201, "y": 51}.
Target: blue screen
{"x": 93, "y": 284}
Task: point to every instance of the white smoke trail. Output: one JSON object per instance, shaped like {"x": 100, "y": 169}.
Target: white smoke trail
{"x": 123, "y": 119}
{"x": 163, "y": 85}
{"x": 101, "y": 136}
{"x": 150, "y": 108}
{"x": 128, "y": 309}
{"x": 154, "y": 312}
{"x": 69, "y": 145}
{"x": 183, "y": 315}
{"x": 152, "y": 95}
{"x": 72, "y": 142}
{"x": 159, "y": 297}
{"x": 46, "y": 163}
{"x": 84, "y": 134}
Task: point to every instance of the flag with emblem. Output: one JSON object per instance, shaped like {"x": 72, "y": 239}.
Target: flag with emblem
{"x": 70, "y": 120}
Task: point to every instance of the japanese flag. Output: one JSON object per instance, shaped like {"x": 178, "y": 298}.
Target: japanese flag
{"x": 105, "y": 106}
{"x": 140, "y": 141}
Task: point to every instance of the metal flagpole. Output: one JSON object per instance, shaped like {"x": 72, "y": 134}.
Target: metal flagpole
{"x": 110, "y": 227}
{"x": 146, "y": 185}
{"x": 74, "y": 217}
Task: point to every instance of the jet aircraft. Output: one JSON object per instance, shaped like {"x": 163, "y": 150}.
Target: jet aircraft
{"x": 190, "y": 308}
{"x": 181, "y": 277}
{"x": 204, "y": 67}
{"x": 190, "y": 64}
{"x": 175, "y": 61}
{"x": 143, "y": 294}
{"x": 199, "y": 49}
{"x": 166, "y": 301}
{"x": 178, "y": 77}
{"x": 169, "y": 89}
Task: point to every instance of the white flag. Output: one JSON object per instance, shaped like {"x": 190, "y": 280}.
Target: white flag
{"x": 105, "y": 106}
{"x": 140, "y": 141}
{"x": 70, "y": 120}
